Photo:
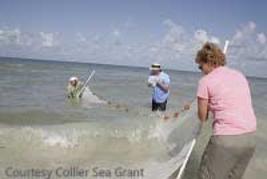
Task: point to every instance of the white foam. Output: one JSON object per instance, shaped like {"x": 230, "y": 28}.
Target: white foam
{"x": 61, "y": 141}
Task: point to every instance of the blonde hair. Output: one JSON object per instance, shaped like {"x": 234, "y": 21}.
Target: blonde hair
{"x": 211, "y": 54}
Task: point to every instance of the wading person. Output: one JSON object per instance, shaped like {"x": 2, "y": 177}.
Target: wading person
{"x": 160, "y": 82}
{"x": 74, "y": 88}
{"x": 225, "y": 93}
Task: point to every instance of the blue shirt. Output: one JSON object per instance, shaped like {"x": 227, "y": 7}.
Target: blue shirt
{"x": 159, "y": 95}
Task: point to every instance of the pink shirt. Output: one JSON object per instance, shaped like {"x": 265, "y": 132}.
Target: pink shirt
{"x": 229, "y": 97}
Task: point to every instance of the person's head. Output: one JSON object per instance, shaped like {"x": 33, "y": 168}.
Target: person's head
{"x": 155, "y": 69}
{"x": 210, "y": 57}
{"x": 73, "y": 81}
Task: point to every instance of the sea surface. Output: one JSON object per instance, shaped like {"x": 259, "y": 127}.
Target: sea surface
{"x": 41, "y": 129}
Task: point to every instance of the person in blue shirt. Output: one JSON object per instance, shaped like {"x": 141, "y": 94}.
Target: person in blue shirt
{"x": 160, "y": 82}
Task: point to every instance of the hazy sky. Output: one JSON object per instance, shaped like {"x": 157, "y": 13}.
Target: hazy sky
{"x": 136, "y": 32}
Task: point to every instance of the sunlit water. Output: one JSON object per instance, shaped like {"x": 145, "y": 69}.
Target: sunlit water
{"x": 40, "y": 128}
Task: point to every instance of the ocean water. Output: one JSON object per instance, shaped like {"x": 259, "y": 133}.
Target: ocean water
{"x": 40, "y": 128}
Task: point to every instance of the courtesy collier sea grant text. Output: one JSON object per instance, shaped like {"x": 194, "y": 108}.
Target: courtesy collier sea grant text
{"x": 63, "y": 172}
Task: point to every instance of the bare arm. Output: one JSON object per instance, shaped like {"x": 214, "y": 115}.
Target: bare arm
{"x": 202, "y": 109}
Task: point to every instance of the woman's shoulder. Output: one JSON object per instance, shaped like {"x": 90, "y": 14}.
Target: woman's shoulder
{"x": 204, "y": 80}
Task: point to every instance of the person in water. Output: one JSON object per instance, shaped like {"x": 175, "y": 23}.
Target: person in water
{"x": 160, "y": 82}
{"x": 74, "y": 88}
{"x": 226, "y": 94}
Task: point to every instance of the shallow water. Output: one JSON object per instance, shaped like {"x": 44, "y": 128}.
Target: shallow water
{"x": 40, "y": 128}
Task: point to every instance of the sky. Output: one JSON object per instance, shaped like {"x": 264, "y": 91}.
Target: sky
{"x": 135, "y": 32}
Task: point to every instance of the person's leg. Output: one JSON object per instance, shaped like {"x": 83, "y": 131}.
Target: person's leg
{"x": 239, "y": 169}
{"x": 226, "y": 157}
{"x": 162, "y": 106}
{"x": 215, "y": 162}
{"x": 244, "y": 152}
{"x": 155, "y": 105}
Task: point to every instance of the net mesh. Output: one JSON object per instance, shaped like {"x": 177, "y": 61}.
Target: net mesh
{"x": 177, "y": 135}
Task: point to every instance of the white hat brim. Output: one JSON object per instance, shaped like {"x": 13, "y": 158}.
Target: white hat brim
{"x": 153, "y": 68}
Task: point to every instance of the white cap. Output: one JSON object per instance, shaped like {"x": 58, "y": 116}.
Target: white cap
{"x": 73, "y": 78}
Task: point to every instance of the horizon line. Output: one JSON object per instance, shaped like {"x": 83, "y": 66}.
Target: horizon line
{"x": 108, "y": 64}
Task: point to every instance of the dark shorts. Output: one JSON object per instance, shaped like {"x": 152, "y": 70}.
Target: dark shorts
{"x": 227, "y": 157}
{"x": 159, "y": 106}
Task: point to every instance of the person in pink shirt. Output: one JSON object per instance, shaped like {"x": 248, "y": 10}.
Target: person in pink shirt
{"x": 225, "y": 93}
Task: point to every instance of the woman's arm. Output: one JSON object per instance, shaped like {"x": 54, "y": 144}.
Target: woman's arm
{"x": 202, "y": 109}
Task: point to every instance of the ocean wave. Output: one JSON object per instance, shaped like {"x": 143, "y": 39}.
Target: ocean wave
{"x": 72, "y": 135}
